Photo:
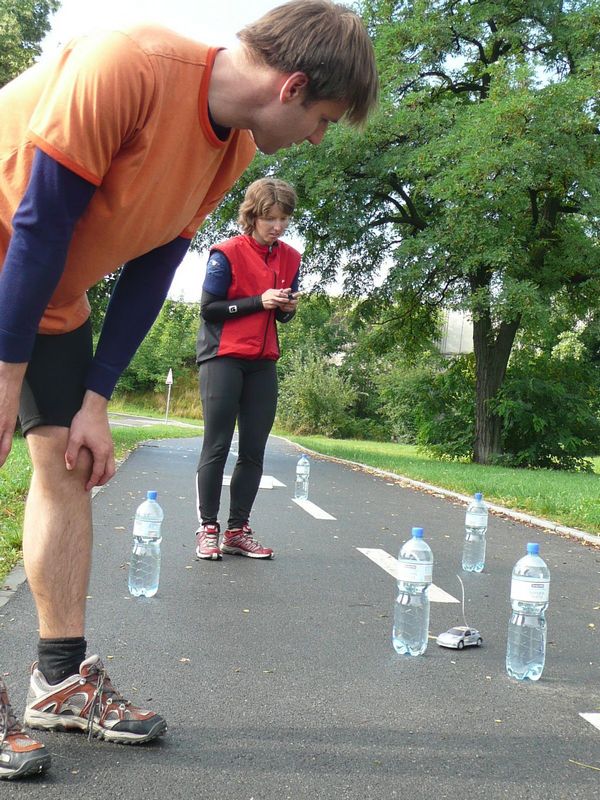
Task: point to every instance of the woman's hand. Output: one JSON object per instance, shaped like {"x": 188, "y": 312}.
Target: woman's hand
{"x": 284, "y": 299}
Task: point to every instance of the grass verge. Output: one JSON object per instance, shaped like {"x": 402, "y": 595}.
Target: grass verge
{"x": 569, "y": 498}
{"x": 16, "y": 473}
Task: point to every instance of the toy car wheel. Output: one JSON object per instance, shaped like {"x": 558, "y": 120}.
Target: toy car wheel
{"x": 460, "y": 645}
{"x": 479, "y": 642}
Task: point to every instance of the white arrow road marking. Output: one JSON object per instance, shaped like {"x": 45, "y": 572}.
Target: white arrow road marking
{"x": 312, "y": 509}
{"x": 266, "y": 482}
{"x": 593, "y": 719}
{"x": 390, "y": 564}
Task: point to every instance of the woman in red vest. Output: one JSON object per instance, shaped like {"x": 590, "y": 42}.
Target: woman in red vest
{"x": 251, "y": 284}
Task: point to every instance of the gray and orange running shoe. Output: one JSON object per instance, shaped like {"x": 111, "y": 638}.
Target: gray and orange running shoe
{"x": 207, "y": 542}
{"x": 242, "y": 543}
{"x": 88, "y": 702}
{"x": 20, "y": 755}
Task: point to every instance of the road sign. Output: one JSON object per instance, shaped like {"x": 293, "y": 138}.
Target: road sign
{"x": 169, "y": 383}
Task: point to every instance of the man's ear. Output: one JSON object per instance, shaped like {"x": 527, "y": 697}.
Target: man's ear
{"x": 293, "y": 87}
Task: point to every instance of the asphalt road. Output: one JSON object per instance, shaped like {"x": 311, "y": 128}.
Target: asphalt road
{"x": 278, "y": 678}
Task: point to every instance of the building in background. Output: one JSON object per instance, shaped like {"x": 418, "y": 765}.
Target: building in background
{"x": 457, "y": 334}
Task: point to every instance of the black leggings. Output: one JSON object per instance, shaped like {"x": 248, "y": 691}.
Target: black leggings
{"x": 234, "y": 389}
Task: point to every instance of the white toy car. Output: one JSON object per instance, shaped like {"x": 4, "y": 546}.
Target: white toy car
{"x": 460, "y": 637}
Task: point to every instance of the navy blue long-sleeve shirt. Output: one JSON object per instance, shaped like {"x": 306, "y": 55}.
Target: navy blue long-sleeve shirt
{"x": 43, "y": 226}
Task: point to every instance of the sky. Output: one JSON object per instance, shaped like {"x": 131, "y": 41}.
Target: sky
{"x": 212, "y": 23}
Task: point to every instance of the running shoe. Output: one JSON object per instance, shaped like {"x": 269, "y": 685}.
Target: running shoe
{"x": 88, "y": 701}
{"x": 242, "y": 543}
{"x": 207, "y": 542}
{"x": 20, "y": 755}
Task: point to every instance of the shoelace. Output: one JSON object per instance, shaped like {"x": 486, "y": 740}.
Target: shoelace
{"x": 103, "y": 686}
{"x": 210, "y": 539}
{"x": 246, "y": 534}
{"x": 8, "y": 721}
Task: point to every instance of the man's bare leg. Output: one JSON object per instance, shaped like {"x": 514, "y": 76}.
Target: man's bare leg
{"x": 57, "y": 550}
{"x": 57, "y": 538}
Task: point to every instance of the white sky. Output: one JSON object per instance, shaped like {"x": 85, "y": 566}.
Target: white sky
{"x": 212, "y": 22}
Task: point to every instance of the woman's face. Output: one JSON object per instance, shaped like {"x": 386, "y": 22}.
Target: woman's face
{"x": 271, "y": 226}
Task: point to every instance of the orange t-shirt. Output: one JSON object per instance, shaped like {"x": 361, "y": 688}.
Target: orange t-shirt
{"x": 127, "y": 111}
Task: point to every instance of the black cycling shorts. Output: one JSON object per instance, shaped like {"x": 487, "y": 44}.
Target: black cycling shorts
{"x": 53, "y": 387}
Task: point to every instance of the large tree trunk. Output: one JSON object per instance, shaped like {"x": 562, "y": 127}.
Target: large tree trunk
{"x": 492, "y": 351}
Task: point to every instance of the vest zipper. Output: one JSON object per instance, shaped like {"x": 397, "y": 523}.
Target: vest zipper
{"x": 267, "y": 254}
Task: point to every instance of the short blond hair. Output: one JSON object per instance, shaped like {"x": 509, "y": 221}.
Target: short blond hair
{"x": 326, "y": 41}
{"x": 260, "y": 198}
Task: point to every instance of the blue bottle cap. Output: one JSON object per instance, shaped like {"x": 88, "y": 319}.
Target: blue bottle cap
{"x": 151, "y": 494}
{"x": 533, "y": 548}
{"x": 417, "y": 533}
{"x": 478, "y": 496}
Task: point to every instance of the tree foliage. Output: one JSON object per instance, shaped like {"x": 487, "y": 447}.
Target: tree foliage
{"x": 170, "y": 344}
{"x": 23, "y": 25}
{"x": 476, "y": 185}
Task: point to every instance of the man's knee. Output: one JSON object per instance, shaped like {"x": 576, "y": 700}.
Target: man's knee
{"x": 47, "y": 446}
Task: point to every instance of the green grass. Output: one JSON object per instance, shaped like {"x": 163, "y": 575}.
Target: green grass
{"x": 569, "y": 498}
{"x": 15, "y": 475}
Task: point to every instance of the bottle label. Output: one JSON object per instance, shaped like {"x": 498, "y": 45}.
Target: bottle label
{"x": 414, "y": 571}
{"x": 475, "y": 520}
{"x": 146, "y": 530}
{"x": 530, "y": 590}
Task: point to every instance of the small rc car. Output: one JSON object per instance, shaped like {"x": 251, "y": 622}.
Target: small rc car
{"x": 460, "y": 637}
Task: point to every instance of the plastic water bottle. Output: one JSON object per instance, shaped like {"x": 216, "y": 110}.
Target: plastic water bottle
{"x": 302, "y": 475}
{"x": 411, "y": 614}
{"x": 144, "y": 568}
{"x": 529, "y": 592}
{"x": 476, "y": 523}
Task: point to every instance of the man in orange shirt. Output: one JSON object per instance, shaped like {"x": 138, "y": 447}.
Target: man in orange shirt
{"x": 115, "y": 154}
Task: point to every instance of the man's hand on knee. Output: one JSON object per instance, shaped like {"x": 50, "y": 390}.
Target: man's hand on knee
{"x": 90, "y": 430}
{"x": 11, "y": 380}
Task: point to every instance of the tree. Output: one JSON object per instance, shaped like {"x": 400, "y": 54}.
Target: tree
{"x": 478, "y": 182}
{"x": 23, "y": 25}
{"x": 170, "y": 344}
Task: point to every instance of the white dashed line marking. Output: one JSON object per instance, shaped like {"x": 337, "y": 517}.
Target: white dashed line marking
{"x": 312, "y": 509}
{"x": 390, "y": 564}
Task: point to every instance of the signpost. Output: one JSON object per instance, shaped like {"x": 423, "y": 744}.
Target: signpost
{"x": 169, "y": 383}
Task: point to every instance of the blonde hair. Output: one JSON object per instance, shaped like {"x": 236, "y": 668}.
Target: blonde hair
{"x": 260, "y": 198}
{"x": 326, "y": 41}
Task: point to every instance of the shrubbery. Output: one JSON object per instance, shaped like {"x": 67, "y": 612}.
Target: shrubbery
{"x": 313, "y": 397}
{"x": 550, "y": 410}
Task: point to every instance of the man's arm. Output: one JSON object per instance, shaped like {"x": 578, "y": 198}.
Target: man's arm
{"x": 134, "y": 305}
{"x": 42, "y": 229}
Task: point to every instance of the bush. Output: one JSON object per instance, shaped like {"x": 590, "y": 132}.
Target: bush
{"x": 313, "y": 398}
{"x": 550, "y": 411}
{"x": 432, "y": 404}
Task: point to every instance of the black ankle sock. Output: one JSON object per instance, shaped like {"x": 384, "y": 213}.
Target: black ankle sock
{"x": 59, "y": 658}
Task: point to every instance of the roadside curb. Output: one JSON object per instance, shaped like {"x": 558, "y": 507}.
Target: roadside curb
{"x": 519, "y": 516}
